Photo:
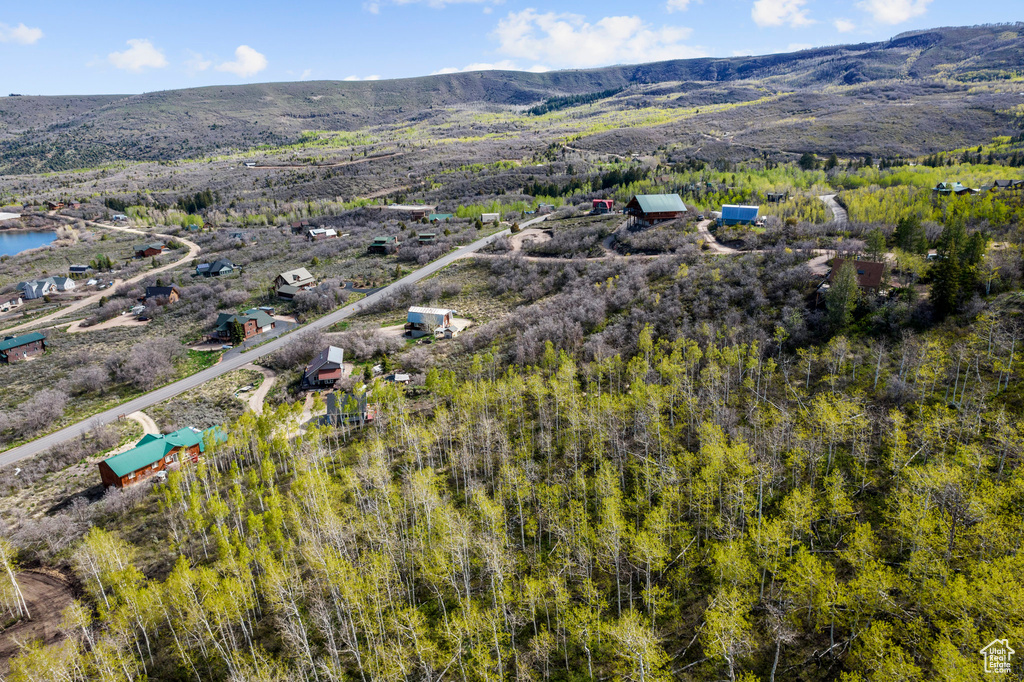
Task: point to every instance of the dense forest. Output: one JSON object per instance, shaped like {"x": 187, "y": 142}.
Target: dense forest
{"x": 706, "y": 503}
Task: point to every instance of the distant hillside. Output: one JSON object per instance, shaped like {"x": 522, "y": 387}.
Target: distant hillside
{"x": 58, "y": 133}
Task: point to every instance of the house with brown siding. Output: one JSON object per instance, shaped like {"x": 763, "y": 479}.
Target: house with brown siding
{"x": 155, "y": 453}
{"x": 253, "y": 321}
{"x": 15, "y": 348}
{"x": 325, "y": 369}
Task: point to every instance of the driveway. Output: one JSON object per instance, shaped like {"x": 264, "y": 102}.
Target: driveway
{"x": 838, "y": 212}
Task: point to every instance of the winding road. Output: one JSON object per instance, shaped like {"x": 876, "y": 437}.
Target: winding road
{"x": 193, "y": 251}
{"x": 231, "y": 363}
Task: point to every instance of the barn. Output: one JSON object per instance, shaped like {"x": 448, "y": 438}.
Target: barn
{"x": 647, "y": 209}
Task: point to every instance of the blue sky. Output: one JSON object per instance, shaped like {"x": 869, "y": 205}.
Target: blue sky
{"x": 71, "y": 47}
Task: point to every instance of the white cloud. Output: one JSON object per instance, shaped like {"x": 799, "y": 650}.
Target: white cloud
{"x": 20, "y": 34}
{"x": 779, "y": 12}
{"x": 361, "y": 78}
{"x": 676, "y": 5}
{"x": 248, "y": 62}
{"x": 894, "y": 11}
{"x": 796, "y": 47}
{"x": 503, "y": 65}
{"x": 140, "y": 55}
{"x": 306, "y": 75}
{"x": 569, "y": 40}
{"x": 196, "y": 63}
{"x": 844, "y": 25}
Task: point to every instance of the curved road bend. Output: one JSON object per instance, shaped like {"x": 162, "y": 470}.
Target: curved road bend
{"x": 193, "y": 251}
{"x": 230, "y": 364}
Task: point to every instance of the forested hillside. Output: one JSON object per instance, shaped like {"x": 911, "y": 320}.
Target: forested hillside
{"x": 708, "y": 504}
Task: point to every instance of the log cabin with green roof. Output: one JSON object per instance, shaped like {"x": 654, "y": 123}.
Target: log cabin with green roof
{"x": 155, "y": 453}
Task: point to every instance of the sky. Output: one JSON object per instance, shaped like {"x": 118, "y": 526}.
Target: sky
{"x": 69, "y": 47}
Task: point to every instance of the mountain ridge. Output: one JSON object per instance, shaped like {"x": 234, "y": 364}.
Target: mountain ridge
{"x": 40, "y": 133}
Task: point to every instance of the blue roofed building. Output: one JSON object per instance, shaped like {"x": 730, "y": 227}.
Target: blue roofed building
{"x": 738, "y": 215}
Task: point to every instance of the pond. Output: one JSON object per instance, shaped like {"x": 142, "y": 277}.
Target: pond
{"x": 12, "y": 243}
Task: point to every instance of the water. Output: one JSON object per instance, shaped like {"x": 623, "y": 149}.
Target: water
{"x": 16, "y": 242}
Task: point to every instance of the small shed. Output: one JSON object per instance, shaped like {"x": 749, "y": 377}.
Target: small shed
{"x": 490, "y": 217}
{"x": 424, "y": 238}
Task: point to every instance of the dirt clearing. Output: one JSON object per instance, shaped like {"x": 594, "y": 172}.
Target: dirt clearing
{"x": 47, "y": 593}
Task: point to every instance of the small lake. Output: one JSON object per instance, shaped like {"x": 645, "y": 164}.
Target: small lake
{"x": 15, "y": 242}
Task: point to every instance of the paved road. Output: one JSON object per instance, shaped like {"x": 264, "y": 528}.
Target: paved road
{"x": 193, "y": 251}
{"x": 838, "y": 212}
{"x": 229, "y": 364}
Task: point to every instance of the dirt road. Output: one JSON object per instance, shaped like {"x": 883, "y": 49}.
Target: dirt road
{"x": 46, "y": 593}
{"x": 193, "y": 251}
{"x": 260, "y": 394}
{"x": 148, "y": 425}
{"x": 339, "y": 164}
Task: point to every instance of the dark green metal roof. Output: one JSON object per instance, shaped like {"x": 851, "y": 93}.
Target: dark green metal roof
{"x": 15, "y": 341}
{"x": 660, "y": 203}
{"x": 152, "y": 448}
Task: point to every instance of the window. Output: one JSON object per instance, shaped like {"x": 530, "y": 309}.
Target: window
{"x": 131, "y": 475}
{"x": 156, "y": 464}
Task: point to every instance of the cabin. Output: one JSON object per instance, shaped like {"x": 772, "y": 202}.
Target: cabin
{"x": 869, "y": 276}
{"x": 733, "y": 214}
{"x": 9, "y": 303}
{"x": 425, "y": 238}
{"x": 217, "y": 268}
{"x": 321, "y": 233}
{"x": 149, "y": 250}
{"x": 163, "y": 295}
{"x": 287, "y": 284}
{"x": 78, "y": 270}
{"x": 54, "y": 205}
{"x": 945, "y": 189}
{"x": 16, "y": 348}
{"x": 427, "y": 319}
{"x": 325, "y": 369}
{"x": 414, "y": 211}
{"x": 601, "y": 206}
{"x": 776, "y": 197}
{"x": 645, "y": 210}
{"x": 439, "y": 217}
{"x": 383, "y": 245}
{"x": 253, "y": 322}
{"x": 349, "y": 408}
{"x": 156, "y": 453}
{"x": 490, "y": 217}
